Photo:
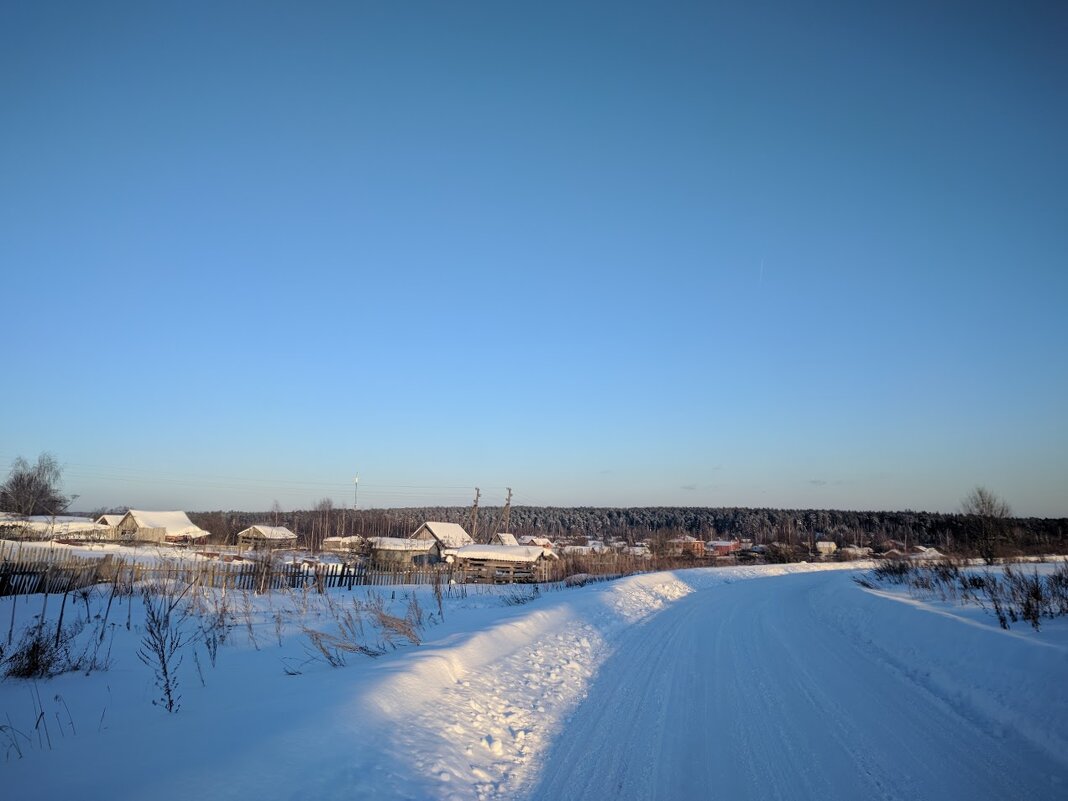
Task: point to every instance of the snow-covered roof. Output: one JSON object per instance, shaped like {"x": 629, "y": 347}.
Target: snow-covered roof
{"x": 176, "y": 524}
{"x": 63, "y": 527}
{"x": 268, "y": 533}
{"x": 343, "y": 542}
{"x": 544, "y": 542}
{"x": 109, "y": 520}
{"x": 504, "y": 538}
{"x": 579, "y": 549}
{"x": 501, "y": 553}
{"x": 400, "y": 544}
{"x": 450, "y": 535}
{"x": 59, "y": 519}
{"x": 721, "y": 543}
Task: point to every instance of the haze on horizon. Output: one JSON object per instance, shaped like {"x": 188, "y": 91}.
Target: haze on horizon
{"x": 621, "y": 254}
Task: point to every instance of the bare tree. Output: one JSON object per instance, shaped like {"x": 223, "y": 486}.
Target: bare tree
{"x": 321, "y": 526}
{"x": 33, "y": 489}
{"x": 984, "y": 503}
{"x": 992, "y": 512}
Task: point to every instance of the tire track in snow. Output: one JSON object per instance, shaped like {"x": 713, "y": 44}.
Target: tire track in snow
{"x": 747, "y": 692}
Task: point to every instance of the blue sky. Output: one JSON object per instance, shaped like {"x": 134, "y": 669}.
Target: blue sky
{"x": 606, "y": 254}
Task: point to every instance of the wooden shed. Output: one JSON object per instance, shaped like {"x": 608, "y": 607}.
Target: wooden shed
{"x": 503, "y": 564}
{"x": 404, "y": 552}
{"x": 266, "y": 538}
{"x": 348, "y": 545}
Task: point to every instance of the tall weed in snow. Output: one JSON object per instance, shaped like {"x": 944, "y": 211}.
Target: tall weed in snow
{"x": 1013, "y": 596}
{"x": 352, "y": 635}
{"x": 350, "y": 639}
{"x": 164, "y": 638}
{"x": 42, "y": 652}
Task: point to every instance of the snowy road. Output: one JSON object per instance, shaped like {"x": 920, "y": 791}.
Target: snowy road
{"x": 763, "y": 691}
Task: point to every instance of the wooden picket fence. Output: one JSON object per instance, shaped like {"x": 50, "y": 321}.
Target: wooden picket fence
{"x": 28, "y": 571}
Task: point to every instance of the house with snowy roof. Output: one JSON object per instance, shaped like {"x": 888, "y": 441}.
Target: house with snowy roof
{"x": 542, "y": 542}
{"x": 266, "y": 538}
{"x": 173, "y": 527}
{"x": 404, "y": 551}
{"x": 922, "y": 553}
{"x": 503, "y": 538}
{"x": 44, "y": 527}
{"x": 447, "y": 535}
{"x": 826, "y": 547}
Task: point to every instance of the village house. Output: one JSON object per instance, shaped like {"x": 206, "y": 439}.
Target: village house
{"x": 686, "y": 545}
{"x": 852, "y": 552}
{"x": 640, "y": 551}
{"x": 541, "y": 542}
{"x": 446, "y": 535}
{"x": 502, "y": 538}
{"x": 266, "y": 538}
{"x": 170, "y": 527}
{"x": 722, "y": 547}
{"x": 826, "y": 547}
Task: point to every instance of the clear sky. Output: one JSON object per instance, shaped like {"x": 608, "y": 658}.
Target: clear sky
{"x": 763, "y": 254}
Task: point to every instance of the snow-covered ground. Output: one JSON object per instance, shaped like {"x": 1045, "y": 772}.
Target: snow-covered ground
{"x": 759, "y": 682}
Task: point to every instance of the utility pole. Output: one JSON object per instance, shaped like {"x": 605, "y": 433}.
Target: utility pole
{"x": 474, "y": 515}
{"x": 507, "y": 515}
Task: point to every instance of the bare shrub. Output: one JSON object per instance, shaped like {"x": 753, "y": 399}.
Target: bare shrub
{"x": 895, "y": 571}
{"x": 36, "y": 655}
{"x": 42, "y": 653}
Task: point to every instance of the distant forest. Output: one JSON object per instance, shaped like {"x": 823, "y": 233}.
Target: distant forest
{"x": 952, "y": 532}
